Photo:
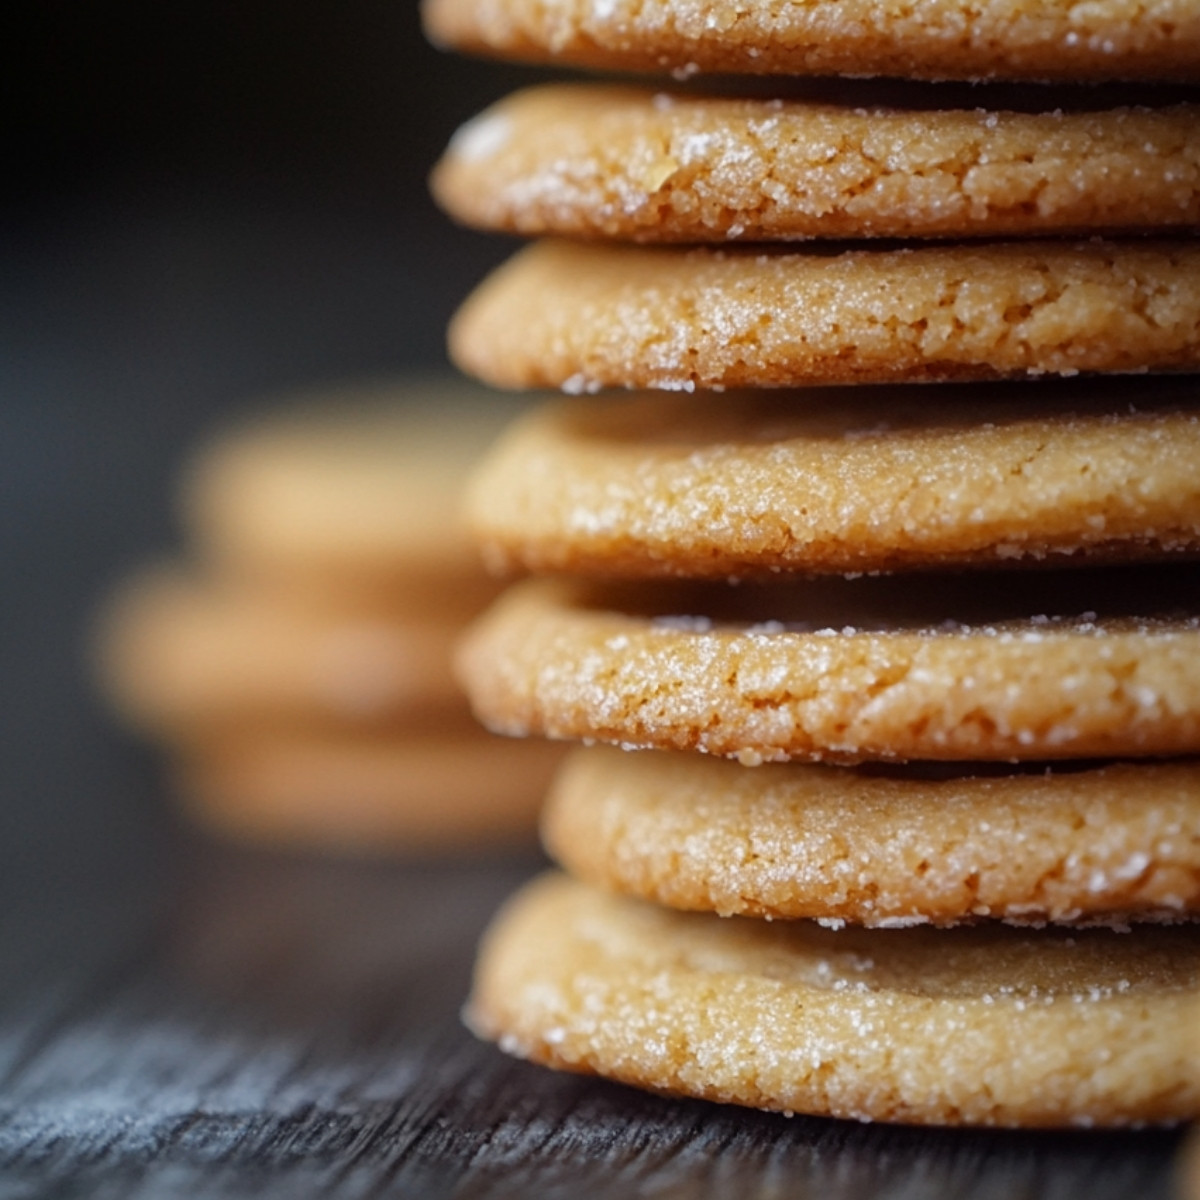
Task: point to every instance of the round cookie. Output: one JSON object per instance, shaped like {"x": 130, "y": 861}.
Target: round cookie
{"x": 985, "y": 1025}
{"x": 178, "y": 655}
{"x": 582, "y": 317}
{"x": 935, "y": 667}
{"x": 938, "y": 39}
{"x": 350, "y": 491}
{"x": 619, "y": 162}
{"x": 867, "y": 479}
{"x": 415, "y": 792}
{"x": 1106, "y": 845}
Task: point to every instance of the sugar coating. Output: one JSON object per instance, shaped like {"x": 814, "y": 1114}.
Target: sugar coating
{"x": 977, "y": 1026}
{"x": 410, "y": 790}
{"x": 861, "y": 480}
{"x": 566, "y": 661}
{"x": 582, "y": 316}
{"x": 937, "y": 39}
{"x": 181, "y": 656}
{"x": 1109, "y": 845}
{"x": 590, "y": 160}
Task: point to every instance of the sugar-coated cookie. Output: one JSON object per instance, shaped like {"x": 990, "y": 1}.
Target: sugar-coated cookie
{"x": 1106, "y": 845}
{"x": 985, "y": 1025}
{"x": 180, "y": 655}
{"x": 867, "y": 479}
{"x": 353, "y": 489}
{"x": 619, "y": 162}
{"x": 417, "y": 792}
{"x": 998, "y": 666}
{"x": 581, "y": 316}
{"x": 938, "y": 39}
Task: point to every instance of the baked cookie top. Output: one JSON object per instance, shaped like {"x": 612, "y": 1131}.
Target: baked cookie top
{"x": 1104, "y": 845}
{"x": 353, "y": 488}
{"x": 582, "y": 317}
{"x": 1018, "y": 666}
{"x": 938, "y": 39}
{"x": 863, "y": 479}
{"x": 979, "y": 1026}
{"x": 618, "y": 162}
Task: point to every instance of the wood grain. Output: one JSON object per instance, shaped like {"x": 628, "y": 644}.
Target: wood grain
{"x": 276, "y": 1026}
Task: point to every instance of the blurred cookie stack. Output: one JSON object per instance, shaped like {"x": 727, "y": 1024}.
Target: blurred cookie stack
{"x": 299, "y": 669}
{"x": 969, "y": 606}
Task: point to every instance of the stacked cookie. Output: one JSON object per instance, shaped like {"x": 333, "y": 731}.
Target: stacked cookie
{"x": 300, "y": 671}
{"x": 889, "y": 657}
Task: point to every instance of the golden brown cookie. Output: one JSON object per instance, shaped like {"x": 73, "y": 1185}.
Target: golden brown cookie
{"x": 349, "y": 491}
{"x": 582, "y": 317}
{"x": 1013, "y": 666}
{"x": 619, "y": 162}
{"x": 938, "y": 39}
{"x": 979, "y": 1026}
{"x": 179, "y": 655}
{"x": 867, "y": 479}
{"x": 1105, "y": 845}
{"x": 418, "y": 792}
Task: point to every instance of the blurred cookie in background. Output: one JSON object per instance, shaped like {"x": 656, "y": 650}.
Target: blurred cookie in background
{"x": 181, "y": 653}
{"x": 410, "y": 791}
{"x": 350, "y": 491}
{"x": 298, "y": 668}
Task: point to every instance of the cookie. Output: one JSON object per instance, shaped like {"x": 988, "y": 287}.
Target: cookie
{"x": 939, "y": 39}
{"x": 1104, "y": 845}
{"x": 985, "y": 1025}
{"x": 582, "y": 317}
{"x": 346, "y": 491}
{"x": 626, "y": 163}
{"x": 869, "y": 479}
{"x": 384, "y": 793}
{"x": 996, "y": 666}
{"x": 178, "y": 655}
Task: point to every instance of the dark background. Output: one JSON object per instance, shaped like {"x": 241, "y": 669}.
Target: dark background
{"x": 203, "y": 205}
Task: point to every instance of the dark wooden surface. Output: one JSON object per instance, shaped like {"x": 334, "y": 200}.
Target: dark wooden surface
{"x": 179, "y": 1018}
{"x": 248, "y": 1024}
